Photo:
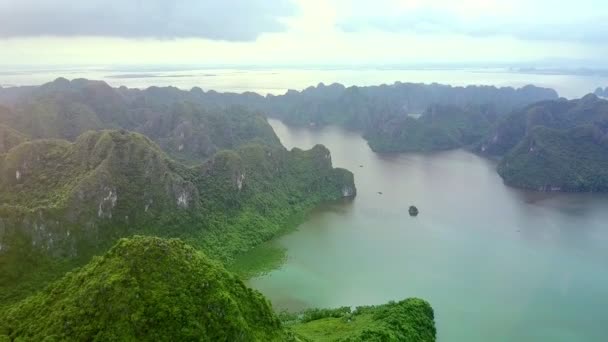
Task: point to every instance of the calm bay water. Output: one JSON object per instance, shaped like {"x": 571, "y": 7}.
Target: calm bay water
{"x": 496, "y": 263}
{"x": 278, "y": 80}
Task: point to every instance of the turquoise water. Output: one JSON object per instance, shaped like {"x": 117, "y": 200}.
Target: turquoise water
{"x": 496, "y": 263}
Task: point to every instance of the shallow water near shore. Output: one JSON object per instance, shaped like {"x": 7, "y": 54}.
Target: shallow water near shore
{"x": 496, "y": 263}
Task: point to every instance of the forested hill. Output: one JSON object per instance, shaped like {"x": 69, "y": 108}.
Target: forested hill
{"x": 145, "y": 289}
{"x": 9, "y": 138}
{"x": 440, "y": 127}
{"x": 554, "y": 145}
{"x": 558, "y": 114}
{"x": 362, "y": 107}
{"x": 62, "y": 201}
{"x": 180, "y": 120}
{"x": 152, "y": 289}
{"x": 188, "y": 128}
{"x": 83, "y": 164}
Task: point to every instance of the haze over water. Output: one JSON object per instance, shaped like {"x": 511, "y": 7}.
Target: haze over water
{"x": 278, "y": 80}
{"x": 496, "y": 263}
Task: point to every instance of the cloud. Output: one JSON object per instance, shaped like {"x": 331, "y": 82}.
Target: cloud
{"x": 231, "y": 20}
{"x": 584, "y": 21}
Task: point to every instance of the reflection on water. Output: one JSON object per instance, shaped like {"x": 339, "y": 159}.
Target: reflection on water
{"x": 496, "y": 263}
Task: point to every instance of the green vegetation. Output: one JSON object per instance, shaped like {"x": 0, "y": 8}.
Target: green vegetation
{"x": 452, "y": 117}
{"x": 153, "y": 289}
{"x": 180, "y": 122}
{"x": 194, "y": 125}
{"x": 9, "y": 138}
{"x": 554, "y": 146}
{"x": 559, "y": 160}
{"x": 408, "y": 320}
{"x": 148, "y": 289}
{"x": 199, "y": 169}
{"x": 64, "y": 201}
{"x": 439, "y": 128}
{"x": 369, "y": 108}
{"x": 558, "y": 114}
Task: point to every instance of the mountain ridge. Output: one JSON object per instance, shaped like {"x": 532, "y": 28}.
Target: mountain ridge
{"x": 68, "y": 201}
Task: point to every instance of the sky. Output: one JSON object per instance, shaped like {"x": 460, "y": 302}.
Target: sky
{"x": 300, "y": 32}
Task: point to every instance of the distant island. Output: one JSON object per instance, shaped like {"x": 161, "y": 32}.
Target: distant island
{"x": 601, "y": 92}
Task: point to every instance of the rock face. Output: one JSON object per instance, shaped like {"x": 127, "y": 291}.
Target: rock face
{"x": 115, "y": 176}
{"x": 348, "y": 191}
{"x": 146, "y": 288}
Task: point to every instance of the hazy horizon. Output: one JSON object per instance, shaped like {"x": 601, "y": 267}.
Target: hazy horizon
{"x": 299, "y": 32}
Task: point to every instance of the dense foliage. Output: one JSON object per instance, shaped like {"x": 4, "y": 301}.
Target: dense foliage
{"x": 440, "y": 127}
{"x": 153, "y": 289}
{"x": 176, "y": 121}
{"x": 554, "y": 145}
{"x": 559, "y": 160}
{"x": 179, "y": 121}
{"x": 79, "y": 178}
{"x": 451, "y": 116}
{"x": 9, "y": 138}
{"x": 408, "y": 320}
{"x": 71, "y": 200}
{"x": 364, "y": 107}
{"x": 145, "y": 289}
{"x": 557, "y": 114}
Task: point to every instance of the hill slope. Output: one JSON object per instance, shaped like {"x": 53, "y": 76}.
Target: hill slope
{"x": 68, "y": 201}
{"x": 553, "y": 145}
{"x": 410, "y": 320}
{"x": 557, "y": 114}
{"x": 360, "y": 107}
{"x": 187, "y": 128}
{"x": 186, "y": 124}
{"x": 9, "y": 138}
{"x": 559, "y": 160}
{"x": 440, "y": 127}
{"x": 145, "y": 289}
{"x": 153, "y": 289}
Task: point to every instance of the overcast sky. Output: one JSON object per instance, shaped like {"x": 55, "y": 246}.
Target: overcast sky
{"x": 300, "y": 31}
